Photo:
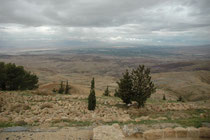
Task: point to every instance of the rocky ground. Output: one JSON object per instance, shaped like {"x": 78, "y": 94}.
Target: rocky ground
{"x": 32, "y": 109}
{"x": 104, "y": 132}
{"x": 38, "y": 111}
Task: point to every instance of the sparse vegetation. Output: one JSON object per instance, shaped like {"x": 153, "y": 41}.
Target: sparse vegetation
{"x": 162, "y": 109}
{"x": 71, "y": 123}
{"x": 46, "y": 105}
{"x": 63, "y": 89}
{"x": 54, "y": 90}
{"x": 19, "y": 107}
{"x": 106, "y": 92}
{"x": 180, "y": 99}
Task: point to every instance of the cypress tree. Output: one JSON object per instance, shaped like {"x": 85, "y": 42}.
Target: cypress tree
{"x": 67, "y": 87}
{"x": 92, "y": 97}
{"x": 93, "y": 84}
{"x": 164, "y": 97}
{"x": 61, "y": 89}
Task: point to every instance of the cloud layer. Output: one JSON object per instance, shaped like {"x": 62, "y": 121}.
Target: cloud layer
{"x": 112, "y": 22}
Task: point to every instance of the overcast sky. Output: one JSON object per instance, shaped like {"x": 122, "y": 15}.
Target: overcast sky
{"x": 54, "y": 23}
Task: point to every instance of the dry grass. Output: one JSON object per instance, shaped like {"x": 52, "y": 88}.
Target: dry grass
{"x": 42, "y": 92}
{"x": 46, "y": 105}
{"x": 19, "y": 107}
{"x": 190, "y": 84}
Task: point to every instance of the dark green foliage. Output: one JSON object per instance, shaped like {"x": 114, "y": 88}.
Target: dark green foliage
{"x": 14, "y": 77}
{"x": 93, "y": 84}
{"x": 92, "y": 97}
{"x": 143, "y": 87}
{"x": 136, "y": 86}
{"x": 67, "y": 88}
{"x": 125, "y": 88}
{"x": 116, "y": 93}
{"x": 164, "y": 97}
{"x": 180, "y": 99}
{"x": 107, "y": 92}
{"x": 2, "y": 76}
{"x": 61, "y": 89}
{"x": 54, "y": 90}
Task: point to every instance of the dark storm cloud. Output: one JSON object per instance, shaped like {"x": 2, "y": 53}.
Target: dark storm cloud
{"x": 143, "y": 21}
{"x": 71, "y": 12}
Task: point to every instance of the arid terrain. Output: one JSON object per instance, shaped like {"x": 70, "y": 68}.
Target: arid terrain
{"x": 176, "y": 72}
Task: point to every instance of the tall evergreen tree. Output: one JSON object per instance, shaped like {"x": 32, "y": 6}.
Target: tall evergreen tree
{"x": 61, "y": 89}
{"x": 143, "y": 87}
{"x": 136, "y": 86}
{"x": 93, "y": 83}
{"x": 125, "y": 88}
{"x": 164, "y": 97}
{"x": 67, "y": 87}
{"x": 92, "y": 97}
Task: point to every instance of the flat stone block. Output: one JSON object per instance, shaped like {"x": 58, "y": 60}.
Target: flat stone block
{"x": 193, "y": 132}
{"x": 204, "y": 132}
{"x": 169, "y": 133}
{"x": 181, "y": 132}
{"x": 153, "y": 134}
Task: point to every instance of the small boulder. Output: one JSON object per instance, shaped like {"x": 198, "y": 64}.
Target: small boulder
{"x": 107, "y": 133}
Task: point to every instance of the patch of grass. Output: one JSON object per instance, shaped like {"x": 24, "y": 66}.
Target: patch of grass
{"x": 25, "y": 93}
{"x": 11, "y": 124}
{"x": 79, "y": 123}
{"x": 83, "y": 100}
{"x": 19, "y": 107}
{"x": 196, "y": 122}
{"x": 147, "y": 122}
{"x": 46, "y": 105}
{"x": 172, "y": 101}
{"x": 154, "y": 101}
{"x": 20, "y": 123}
{"x": 6, "y": 124}
{"x": 190, "y": 122}
{"x": 197, "y": 112}
{"x": 73, "y": 123}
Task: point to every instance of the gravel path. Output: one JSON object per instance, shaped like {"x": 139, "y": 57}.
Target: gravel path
{"x": 24, "y": 133}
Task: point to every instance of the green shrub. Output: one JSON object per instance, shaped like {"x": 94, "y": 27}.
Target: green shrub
{"x": 107, "y": 92}
{"x": 14, "y": 77}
